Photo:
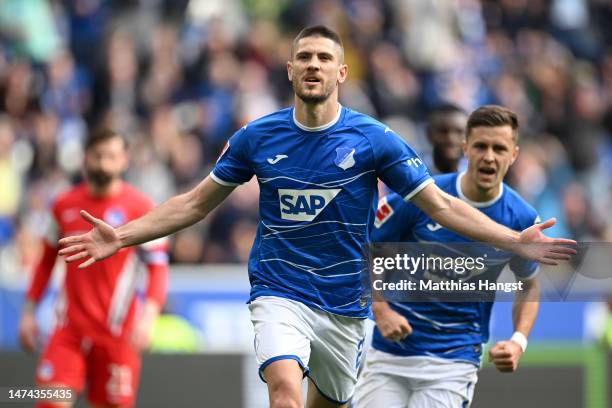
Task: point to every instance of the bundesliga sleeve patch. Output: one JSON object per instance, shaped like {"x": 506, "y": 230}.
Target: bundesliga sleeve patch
{"x": 223, "y": 151}
{"x": 383, "y": 213}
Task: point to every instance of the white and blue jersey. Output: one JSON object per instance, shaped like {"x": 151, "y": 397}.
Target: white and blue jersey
{"x": 317, "y": 203}
{"x": 450, "y": 330}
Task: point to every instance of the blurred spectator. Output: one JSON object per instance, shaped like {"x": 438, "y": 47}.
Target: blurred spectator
{"x": 164, "y": 78}
{"x": 9, "y": 180}
{"x": 66, "y": 93}
{"x": 30, "y": 28}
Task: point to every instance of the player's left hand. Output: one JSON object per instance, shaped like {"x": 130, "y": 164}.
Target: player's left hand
{"x": 141, "y": 336}
{"x": 28, "y": 330}
{"x": 143, "y": 329}
{"x": 505, "y": 355}
{"x": 546, "y": 250}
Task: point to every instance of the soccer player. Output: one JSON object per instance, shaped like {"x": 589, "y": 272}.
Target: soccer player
{"x": 427, "y": 354}
{"x": 317, "y": 165}
{"x": 446, "y": 131}
{"x": 99, "y": 330}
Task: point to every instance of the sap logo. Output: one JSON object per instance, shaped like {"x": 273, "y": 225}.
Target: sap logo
{"x": 304, "y": 205}
{"x": 415, "y": 161}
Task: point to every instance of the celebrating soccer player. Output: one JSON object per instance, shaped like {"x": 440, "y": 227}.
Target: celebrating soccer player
{"x": 99, "y": 332}
{"x": 317, "y": 165}
{"x": 427, "y": 354}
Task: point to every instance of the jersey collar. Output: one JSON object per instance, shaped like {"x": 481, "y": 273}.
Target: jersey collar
{"x": 477, "y": 204}
{"x": 318, "y": 128}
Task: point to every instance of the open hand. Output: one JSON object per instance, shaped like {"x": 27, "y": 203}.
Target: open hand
{"x": 534, "y": 245}
{"x": 99, "y": 243}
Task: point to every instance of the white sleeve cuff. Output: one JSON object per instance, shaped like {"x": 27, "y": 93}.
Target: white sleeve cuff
{"x": 223, "y": 182}
{"x": 421, "y": 186}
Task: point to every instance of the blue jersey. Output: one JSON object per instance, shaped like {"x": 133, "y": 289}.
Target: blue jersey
{"x": 451, "y": 330}
{"x": 318, "y": 198}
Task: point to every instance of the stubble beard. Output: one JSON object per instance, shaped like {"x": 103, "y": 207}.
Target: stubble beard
{"x": 310, "y": 98}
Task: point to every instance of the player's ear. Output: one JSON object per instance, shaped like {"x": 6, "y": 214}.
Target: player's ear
{"x": 515, "y": 153}
{"x": 464, "y": 145}
{"x": 342, "y": 73}
{"x": 290, "y": 70}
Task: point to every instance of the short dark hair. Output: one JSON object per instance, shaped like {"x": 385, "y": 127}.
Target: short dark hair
{"x": 103, "y": 134}
{"x": 446, "y": 108}
{"x": 492, "y": 116}
{"x": 318, "y": 31}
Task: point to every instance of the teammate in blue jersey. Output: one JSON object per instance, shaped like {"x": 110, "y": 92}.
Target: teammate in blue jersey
{"x": 426, "y": 354}
{"x": 317, "y": 165}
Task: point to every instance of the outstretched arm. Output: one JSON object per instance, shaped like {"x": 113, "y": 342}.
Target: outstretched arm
{"x": 175, "y": 214}
{"x": 461, "y": 217}
{"x": 465, "y": 220}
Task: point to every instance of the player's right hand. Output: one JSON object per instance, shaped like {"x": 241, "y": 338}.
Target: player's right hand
{"x": 28, "y": 330}
{"x": 99, "y": 243}
{"x": 506, "y": 355}
{"x": 392, "y": 325}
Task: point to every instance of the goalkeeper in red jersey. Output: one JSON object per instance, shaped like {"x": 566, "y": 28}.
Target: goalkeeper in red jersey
{"x": 100, "y": 326}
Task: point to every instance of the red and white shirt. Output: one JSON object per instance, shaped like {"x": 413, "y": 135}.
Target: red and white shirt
{"x": 99, "y": 301}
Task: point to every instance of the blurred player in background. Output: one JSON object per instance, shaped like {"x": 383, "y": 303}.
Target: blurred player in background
{"x": 427, "y": 354}
{"x": 317, "y": 165}
{"x": 99, "y": 330}
{"x": 446, "y": 131}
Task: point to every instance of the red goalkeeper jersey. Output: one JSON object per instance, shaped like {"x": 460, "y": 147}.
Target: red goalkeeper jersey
{"x": 99, "y": 301}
